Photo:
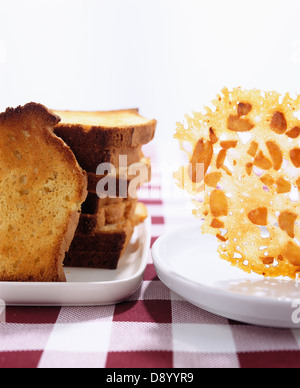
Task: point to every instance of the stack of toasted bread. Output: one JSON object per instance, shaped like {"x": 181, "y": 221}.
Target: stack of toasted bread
{"x": 108, "y": 146}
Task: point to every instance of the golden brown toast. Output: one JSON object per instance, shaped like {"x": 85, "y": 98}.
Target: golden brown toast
{"x": 105, "y": 248}
{"x": 96, "y": 156}
{"x": 107, "y": 215}
{"x": 110, "y": 129}
{"x": 123, "y": 182}
{"x": 42, "y": 188}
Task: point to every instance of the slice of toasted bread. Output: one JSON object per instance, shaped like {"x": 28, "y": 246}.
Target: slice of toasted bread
{"x": 115, "y": 156}
{"x": 42, "y": 188}
{"x": 108, "y": 215}
{"x": 111, "y": 129}
{"x": 140, "y": 214}
{"x": 100, "y": 259}
{"x": 119, "y": 236}
{"x": 110, "y": 238}
{"x": 124, "y": 182}
{"x": 93, "y": 204}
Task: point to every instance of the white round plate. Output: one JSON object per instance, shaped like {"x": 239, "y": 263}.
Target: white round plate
{"x": 187, "y": 262}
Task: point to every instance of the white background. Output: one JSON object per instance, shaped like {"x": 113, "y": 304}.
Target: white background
{"x": 167, "y": 57}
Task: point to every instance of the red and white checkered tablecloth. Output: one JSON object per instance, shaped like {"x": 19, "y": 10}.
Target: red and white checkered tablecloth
{"x": 154, "y": 329}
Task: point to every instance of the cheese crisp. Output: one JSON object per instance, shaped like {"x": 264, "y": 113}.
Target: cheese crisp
{"x": 248, "y": 145}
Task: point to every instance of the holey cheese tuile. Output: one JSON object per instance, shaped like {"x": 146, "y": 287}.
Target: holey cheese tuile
{"x": 249, "y": 143}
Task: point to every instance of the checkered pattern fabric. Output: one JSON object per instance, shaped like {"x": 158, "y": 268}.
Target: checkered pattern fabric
{"x": 155, "y": 328}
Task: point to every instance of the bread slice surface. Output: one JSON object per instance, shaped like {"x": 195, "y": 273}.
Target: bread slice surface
{"x": 42, "y": 188}
{"x": 105, "y": 129}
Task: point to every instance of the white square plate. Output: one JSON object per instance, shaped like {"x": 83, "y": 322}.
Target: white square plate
{"x": 85, "y": 286}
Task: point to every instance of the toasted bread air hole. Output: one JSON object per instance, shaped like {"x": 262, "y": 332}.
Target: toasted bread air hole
{"x": 295, "y": 157}
{"x": 228, "y": 144}
{"x": 276, "y": 154}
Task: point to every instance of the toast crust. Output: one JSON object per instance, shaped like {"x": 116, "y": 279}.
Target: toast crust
{"x": 106, "y": 247}
{"x": 42, "y": 189}
{"x": 110, "y": 129}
